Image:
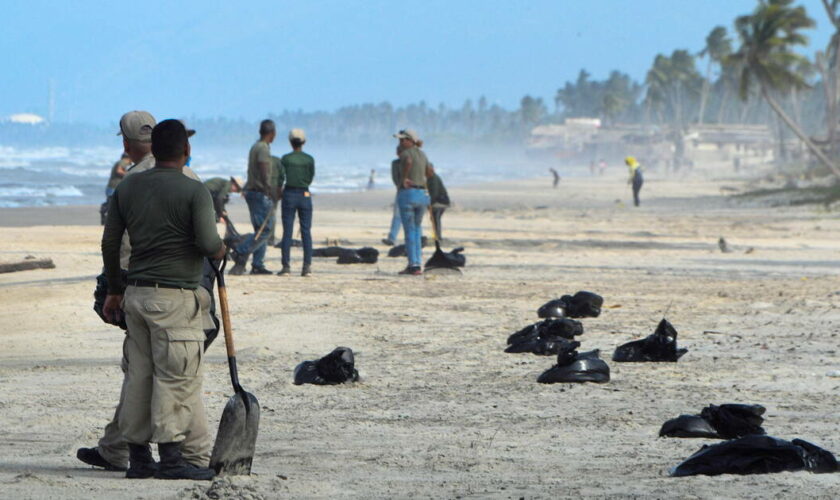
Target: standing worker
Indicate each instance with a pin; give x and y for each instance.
(169, 219)
(111, 452)
(636, 179)
(412, 198)
(220, 189)
(396, 220)
(298, 170)
(260, 198)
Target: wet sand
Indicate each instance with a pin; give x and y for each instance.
(441, 410)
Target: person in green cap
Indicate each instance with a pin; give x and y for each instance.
(220, 189)
(298, 172)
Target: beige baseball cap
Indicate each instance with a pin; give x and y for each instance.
(297, 133)
(137, 126)
(408, 134)
(238, 181)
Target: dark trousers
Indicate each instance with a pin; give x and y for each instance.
(638, 180)
(297, 201)
(437, 213)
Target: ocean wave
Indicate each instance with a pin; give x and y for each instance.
(42, 191)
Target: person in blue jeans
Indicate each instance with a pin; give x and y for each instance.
(298, 171)
(260, 196)
(412, 197)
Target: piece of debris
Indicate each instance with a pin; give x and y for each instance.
(757, 454)
(661, 345)
(29, 263)
(726, 421)
(724, 247)
(336, 367)
(364, 255)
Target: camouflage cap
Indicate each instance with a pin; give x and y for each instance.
(137, 126)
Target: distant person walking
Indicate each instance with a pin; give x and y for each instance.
(556, 176)
(396, 218)
(371, 181)
(412, 198)
(117, 174)
(220, 189)
(636, 179)
(260, 199)
(298, 170)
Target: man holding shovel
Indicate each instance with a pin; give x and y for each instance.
(260, 199)
(170, 221)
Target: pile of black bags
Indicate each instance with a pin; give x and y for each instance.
(748, 450)
(555, 335)
(337, 367)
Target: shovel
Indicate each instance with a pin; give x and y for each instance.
(438, 260)
(233, 451)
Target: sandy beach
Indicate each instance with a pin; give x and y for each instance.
(441, 411)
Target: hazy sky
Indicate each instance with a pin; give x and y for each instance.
(244, 59)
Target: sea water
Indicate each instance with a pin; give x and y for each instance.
(44, 176)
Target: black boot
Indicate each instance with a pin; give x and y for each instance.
(141, 465)
(173, 466)
(91, 456)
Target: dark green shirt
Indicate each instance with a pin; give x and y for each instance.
(396, 173)
(437, 191)
(116, 176)
(417, 174)
(260, 153)
(171, 226)
(299, 169)
(219, 187)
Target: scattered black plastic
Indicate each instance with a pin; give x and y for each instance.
(580, 305)
(573, 366)
(757, 454)
(364, 255)
(295, 243)
(727, 421)
(447, 259)
(661, 345)
(336, 367)
(546, 337)
(99, 295)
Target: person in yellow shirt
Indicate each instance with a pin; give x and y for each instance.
(636, 179)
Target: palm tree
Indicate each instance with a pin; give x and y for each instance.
(828, 63)
(718, 47)
(768, 37)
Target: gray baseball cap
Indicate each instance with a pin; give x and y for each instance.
(137, 126)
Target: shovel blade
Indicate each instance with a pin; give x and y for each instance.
(236, 440)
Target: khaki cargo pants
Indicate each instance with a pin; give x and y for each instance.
(163, 350)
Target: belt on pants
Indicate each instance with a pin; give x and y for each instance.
(152, 284)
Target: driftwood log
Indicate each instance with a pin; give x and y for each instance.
(26, 265)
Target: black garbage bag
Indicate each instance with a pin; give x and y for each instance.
(545, 337)
(727, 421)
(688, 426)
(295, 243)
(447, 259)
(577, 367)
(757, 454)
(329, 251)
(364, 255)
(336, 367)
(661, 345)
(580, 305)
(399, 250)
(99, 294)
